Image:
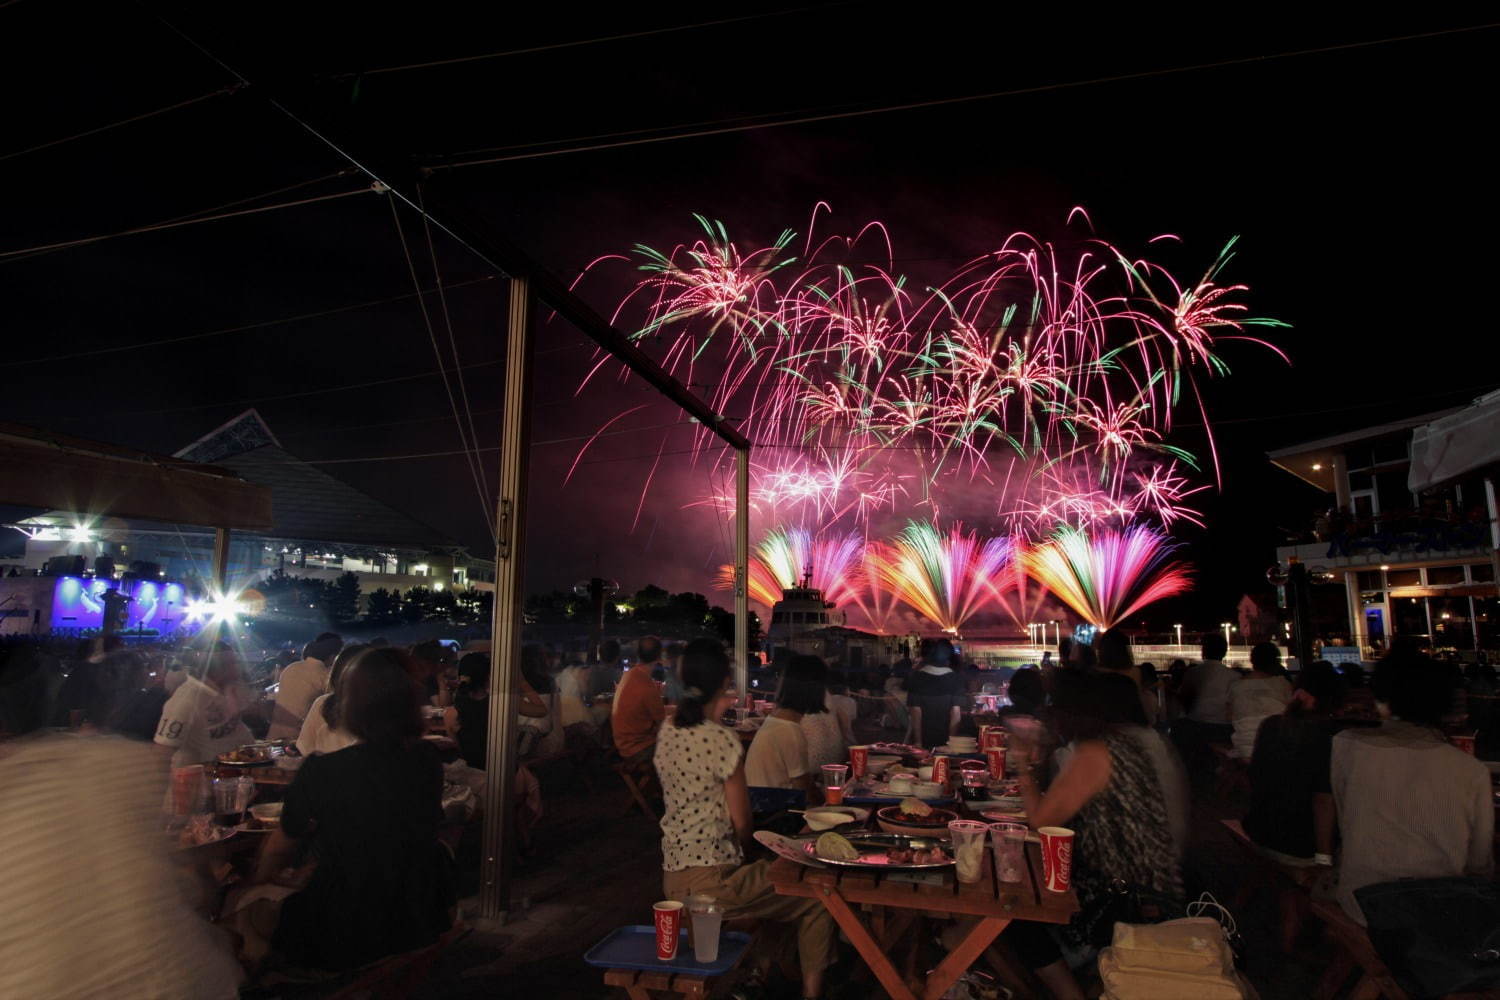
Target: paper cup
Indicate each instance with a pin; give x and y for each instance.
(991, 737)
(188, 785)
(859, 762)
(668, 914)
(995, 757)
(940, 771)
(1057, 857)
(968, 848)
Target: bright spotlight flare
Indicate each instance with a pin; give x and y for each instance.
(785, 555)
(945, 577)
(1108, 575)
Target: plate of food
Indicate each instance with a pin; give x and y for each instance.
(246, 756)
(878, 850)
(200, 831)
(915, 818)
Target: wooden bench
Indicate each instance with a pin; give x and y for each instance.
(1287, 882)
(638, 781)
(645, 985)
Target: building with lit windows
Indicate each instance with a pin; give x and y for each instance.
(323, 528)
(1410, 531)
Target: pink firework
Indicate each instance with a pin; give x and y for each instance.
(1107, 576)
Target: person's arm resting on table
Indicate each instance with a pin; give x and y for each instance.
(1085, 775)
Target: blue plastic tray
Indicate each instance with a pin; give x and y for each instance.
(634, 947)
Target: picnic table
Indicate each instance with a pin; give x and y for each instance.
(895, 903)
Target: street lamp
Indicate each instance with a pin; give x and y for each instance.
(1226, 627)
(1179, 634)
(1057, 626)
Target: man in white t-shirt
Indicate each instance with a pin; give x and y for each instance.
(202, 718)
(301, 684)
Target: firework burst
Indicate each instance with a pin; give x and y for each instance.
(1109, 575)
(946, 578)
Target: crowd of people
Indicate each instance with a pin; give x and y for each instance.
(1350, 777)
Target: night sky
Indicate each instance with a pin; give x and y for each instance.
(1360, 183)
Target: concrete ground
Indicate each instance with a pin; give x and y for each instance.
(595, 868)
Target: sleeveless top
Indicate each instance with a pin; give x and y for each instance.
(1123, 834)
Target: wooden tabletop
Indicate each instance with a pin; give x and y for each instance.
(894, 904)
(989, 897)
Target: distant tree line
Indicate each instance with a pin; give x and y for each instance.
(651, 606)
(340, 602)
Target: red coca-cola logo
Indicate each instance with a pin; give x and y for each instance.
(940, 770)
(996, 756)
(667, 932)
(1058, 852)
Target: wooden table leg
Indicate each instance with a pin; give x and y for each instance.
(866, 945)
(980, 937)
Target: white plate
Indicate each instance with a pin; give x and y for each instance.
(883, 790)
(851, 814)
(787, 847)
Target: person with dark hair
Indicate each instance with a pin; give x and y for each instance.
(638, 708)
(434, 661)
(1204, 698)
(1108, 791)
(202, 717)
(1026, 693)
(469, 716)
(1114, 656)
(935, 695)
(301, 683)
(322, 730)
(370, 814)
(1410, 805)
(844, 708)
(142, 694)
(707, 826)
(1291, 815)
(778, 756)
(537, 713)
(825, 735)
(1253, 699)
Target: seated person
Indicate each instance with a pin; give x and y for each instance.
(638, 707)
(1291, 815)
(1410, 805)
(1026, 692)
(202, 717)
(778, 756)
(935, 695)
(1257, 697)
(300, 684)
(370, 814)
(321, 730)
(707, 826)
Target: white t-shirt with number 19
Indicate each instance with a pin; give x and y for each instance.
(201, 723)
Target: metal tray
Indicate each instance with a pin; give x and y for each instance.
(872, 849)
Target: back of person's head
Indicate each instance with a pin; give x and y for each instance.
(325, 647)
(1265, 657)
(1084, 656)
(1027, 693)
(474, 669)
(1417, 688)
(1113, 648)
(937, 652)
(336, 674)
(534, 668)
(430, 651)
(1323, 684)
(1148, 675)
(380, 702)
(705, 668)
(648, 649)
(609, 651)
(804, 684)
(1086, 705)
(1064, 649)
(379, 642)
(1177, 668)
(1214, 646)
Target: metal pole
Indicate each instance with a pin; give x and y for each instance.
(741, 574)
(505, 637)
(221, 559)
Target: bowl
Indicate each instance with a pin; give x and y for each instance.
(892, 820)
(925, 773)
(928, 790)
(266, 813)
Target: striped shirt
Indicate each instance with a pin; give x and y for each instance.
(1409, 806)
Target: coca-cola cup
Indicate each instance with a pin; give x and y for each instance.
(1464, 741)
(859, 762)
(995, 756)
(940, 770)
(991, 737)
(1057, 857)
(668, 915)
(188, 784)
